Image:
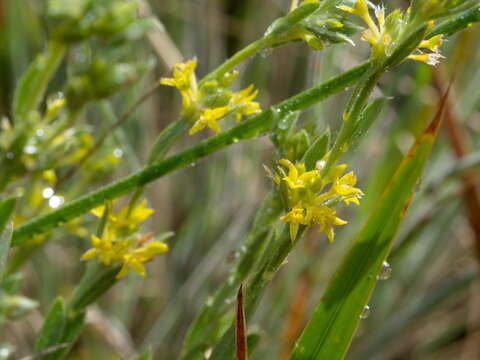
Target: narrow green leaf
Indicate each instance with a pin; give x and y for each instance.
(73, 328)
(371, 113)
(51, 331)
(34, 82)
(6, 209)
(166, 139)
(316, 151)
(332, 326)
(457, 22)
(406, 47)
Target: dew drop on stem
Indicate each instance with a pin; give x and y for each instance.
(265, 52)
(365, 312)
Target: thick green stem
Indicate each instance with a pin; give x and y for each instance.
(255, 126)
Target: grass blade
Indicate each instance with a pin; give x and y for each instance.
(6, 210)
(332, 326)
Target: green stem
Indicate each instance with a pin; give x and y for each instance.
(238, 57)
(255, 126)
(352, 114)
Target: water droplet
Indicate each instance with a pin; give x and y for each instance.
(30, 149)
(193, 164)
(283, 123)
(265, 52)
(243, 249)
(385, 271)
(365, 312)
(118, 153)
(10, 155)
(47, 193)
(209, 301)
(56, 201)
(320, 164)
(40, 132)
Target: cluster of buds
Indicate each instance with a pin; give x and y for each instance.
(310, 197)
(212, 101)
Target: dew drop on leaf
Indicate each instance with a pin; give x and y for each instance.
(385, 271)
(365, 312)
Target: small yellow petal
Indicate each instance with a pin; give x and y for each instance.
(89, 254)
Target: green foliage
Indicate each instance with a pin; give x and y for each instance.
(68, 157)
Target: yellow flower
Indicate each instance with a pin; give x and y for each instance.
(297, 216)
(297, 176)
(326, 219)
(210, 117)
(433, 57)
(134, 261)
(242, 102)
(308, 204)
(135, 216)
(345, 187)
(185, 81)
(108, 251)
(120, 244)
(126, 216)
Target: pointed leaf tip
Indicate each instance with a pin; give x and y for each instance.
(241, 327)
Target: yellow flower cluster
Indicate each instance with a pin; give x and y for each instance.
(240, 103)
(117, 245)
(308, 202)
(381, 36)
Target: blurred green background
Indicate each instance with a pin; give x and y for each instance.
(429, 308)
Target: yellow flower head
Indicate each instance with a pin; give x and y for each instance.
(309, 204)
(210, 117)
(297, 216)
(345, 187)
(297, 176)
(185, 81)
(326, 219)
(121, 244)
(108, 251)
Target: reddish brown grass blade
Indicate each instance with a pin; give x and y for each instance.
(241, 333)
